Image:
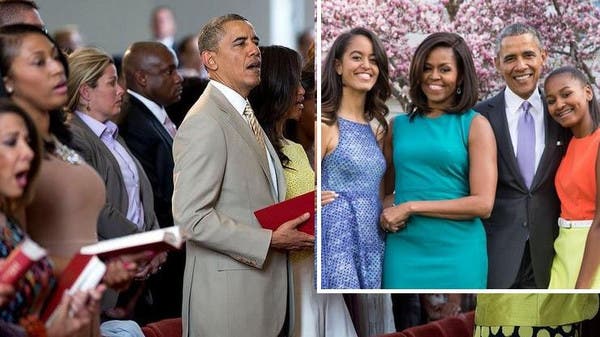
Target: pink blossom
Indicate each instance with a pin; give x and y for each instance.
(569, 30)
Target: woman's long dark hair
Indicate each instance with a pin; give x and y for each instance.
(331, 82)
(276, 93)
(293, 129)
(11, 37)
(576, 74)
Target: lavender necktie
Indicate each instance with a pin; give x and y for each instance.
(526, 144)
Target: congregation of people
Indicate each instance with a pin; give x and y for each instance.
(197, 135)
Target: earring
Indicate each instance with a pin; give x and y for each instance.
(9, 90)
(458, 91)
(87, 106)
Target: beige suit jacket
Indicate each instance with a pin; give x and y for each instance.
(234, 285)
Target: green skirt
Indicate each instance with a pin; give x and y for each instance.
(569, 247)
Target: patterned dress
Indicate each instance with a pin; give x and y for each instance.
(352, 242)
(315, 314)
(33, 288)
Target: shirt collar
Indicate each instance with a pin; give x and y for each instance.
(513, 101)
(96, 126)
(157, 110)
(106, 129)
(237, 100)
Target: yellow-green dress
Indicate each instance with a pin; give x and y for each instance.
(533, 315)
(315, 315)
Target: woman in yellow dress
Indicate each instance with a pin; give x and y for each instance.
(573, 104)
(278, 98)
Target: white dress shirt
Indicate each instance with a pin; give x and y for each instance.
(513, 112)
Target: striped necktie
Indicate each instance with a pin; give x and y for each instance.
(254, 125)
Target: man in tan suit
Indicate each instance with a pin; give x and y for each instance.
(236, 277)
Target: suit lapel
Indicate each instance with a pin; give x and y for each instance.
(242, 128)
(278, 194)
(506, 150)
(144, 189)
(551, 138)
(152, 121)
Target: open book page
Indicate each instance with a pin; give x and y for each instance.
(157, 241)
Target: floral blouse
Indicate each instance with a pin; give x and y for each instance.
(33, 288)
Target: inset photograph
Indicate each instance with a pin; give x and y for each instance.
(459, 145)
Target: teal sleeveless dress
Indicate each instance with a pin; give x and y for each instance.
(431, 162)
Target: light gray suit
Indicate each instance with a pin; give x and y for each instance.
(234, 285)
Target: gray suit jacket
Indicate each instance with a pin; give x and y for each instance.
(112, 222)
(519, 213)
(234, 285)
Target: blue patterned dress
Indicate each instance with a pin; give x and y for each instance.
(352, 243)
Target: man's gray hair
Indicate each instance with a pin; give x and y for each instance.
(517, 29)
(212, 32)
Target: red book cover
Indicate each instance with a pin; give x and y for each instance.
(84, 272)
(157, 241)
(272, 216)
(20, 260)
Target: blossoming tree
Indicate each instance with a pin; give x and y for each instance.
(569, 29)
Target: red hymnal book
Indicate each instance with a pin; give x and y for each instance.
(272, 216)
(157, 241)
(84, 272)
(20, 260)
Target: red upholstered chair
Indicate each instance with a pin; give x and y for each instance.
(426, 330)
(460, 326)
(165, 328)
(453, 327)
(469, 320)
(149, 332)
(393, 334)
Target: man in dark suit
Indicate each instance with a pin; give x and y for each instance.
(152, 83)
(193, 87)
(523, 224)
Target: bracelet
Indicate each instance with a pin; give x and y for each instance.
(33, 326)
